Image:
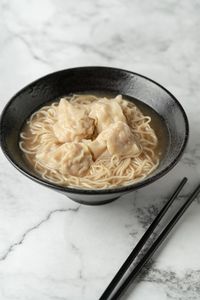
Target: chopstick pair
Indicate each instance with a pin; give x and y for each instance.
(114, 290)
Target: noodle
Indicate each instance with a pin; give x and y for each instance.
(38, 141)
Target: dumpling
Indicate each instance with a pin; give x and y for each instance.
(73, 124)
(125, 106)
(70, 158)
(106, 112)
(97, 147)
(120, 140)
(116, 139)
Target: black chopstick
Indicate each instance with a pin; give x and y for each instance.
(141, 243)
(155, 245)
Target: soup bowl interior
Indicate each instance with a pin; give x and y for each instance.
(94, 79)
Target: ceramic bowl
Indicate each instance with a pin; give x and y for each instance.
(94, 79)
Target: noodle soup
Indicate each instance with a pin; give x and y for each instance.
(93, 142)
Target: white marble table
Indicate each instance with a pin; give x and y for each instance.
(50, 247)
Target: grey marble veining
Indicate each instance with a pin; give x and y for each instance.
(50, 247)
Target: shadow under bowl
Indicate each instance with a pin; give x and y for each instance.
(94, 79)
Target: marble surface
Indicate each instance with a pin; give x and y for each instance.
(50, 247)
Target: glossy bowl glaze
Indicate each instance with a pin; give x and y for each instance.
(83, 79)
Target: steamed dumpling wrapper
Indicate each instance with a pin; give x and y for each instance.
(70, 158)
(117, 139)
(105, 112)
(73, 123)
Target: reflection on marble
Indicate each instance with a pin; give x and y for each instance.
(51, 247)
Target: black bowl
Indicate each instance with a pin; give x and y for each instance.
(109, 80)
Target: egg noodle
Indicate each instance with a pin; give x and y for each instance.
(91, 142)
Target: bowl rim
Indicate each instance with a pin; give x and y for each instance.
(114, 190)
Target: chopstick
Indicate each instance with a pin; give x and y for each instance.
(156, 244)
(141, 243)
(121, 288)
